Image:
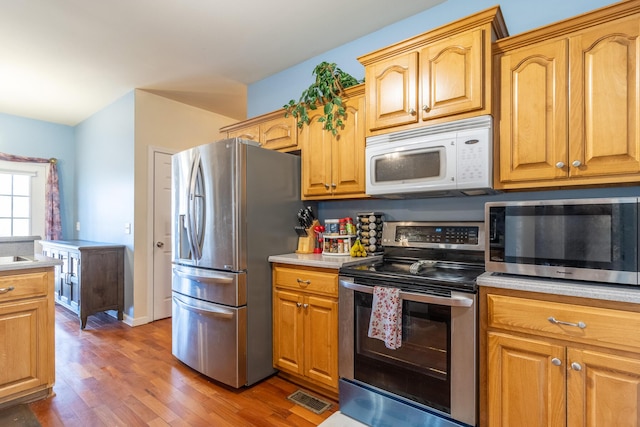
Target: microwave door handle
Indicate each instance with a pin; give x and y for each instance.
(412, 296)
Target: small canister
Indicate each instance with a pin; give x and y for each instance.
(331, 226)
(343, 226)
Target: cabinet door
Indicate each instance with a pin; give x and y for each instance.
(74, 280)
(321, 340)
(533, 110)
(251, 133)
(288, 332)
(452, 75)
(392, 88)
(605, 98)
(23, 346)
(279, 133)
(603, 389)
(316, 159)
(347, 153)
(525, 385)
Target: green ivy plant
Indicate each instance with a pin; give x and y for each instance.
(325, 93)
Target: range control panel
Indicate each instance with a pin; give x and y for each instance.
(436, 235)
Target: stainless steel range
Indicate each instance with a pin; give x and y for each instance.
(431, 379)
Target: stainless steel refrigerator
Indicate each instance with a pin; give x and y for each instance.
(234, 204)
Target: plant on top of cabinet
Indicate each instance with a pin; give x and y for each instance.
(325, 92)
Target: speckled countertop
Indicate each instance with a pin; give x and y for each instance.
(32, 261)
(320, 260)
(562, 287)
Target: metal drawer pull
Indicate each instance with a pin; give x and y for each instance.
(5, 290)
(580, 325)
(298, 304)
(304, 282)
(556, 361)
(576, 366)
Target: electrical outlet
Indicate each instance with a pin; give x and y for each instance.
(127, 228)
(77, 225)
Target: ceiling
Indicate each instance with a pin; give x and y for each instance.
(62, 61)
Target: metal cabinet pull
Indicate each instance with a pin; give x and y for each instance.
(580, 325)
(576, 366)
(576, 163)
(5, 290)
(412, 111)
(557, 362)
(298, 304)
(425, 108)
(303, 282)
(560, 165)
(305, 305)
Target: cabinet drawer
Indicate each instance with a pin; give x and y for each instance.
(19, 286)
(307, 280)
(597, 325)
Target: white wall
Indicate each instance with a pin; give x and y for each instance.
(166, 124)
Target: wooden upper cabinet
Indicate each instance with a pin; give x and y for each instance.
(434, 77)
(452, 79)
(533, 124)
(392, 89)
(569, 101)
(333, 167)
(272, 130)
(605, 92)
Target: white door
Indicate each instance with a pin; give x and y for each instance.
(161, 235)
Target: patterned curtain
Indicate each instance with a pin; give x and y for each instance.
(53, 224)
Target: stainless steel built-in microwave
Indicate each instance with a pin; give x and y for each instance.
(580, 239)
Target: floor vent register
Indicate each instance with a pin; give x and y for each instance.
(310, 402)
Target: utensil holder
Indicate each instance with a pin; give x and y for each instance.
(307, 243)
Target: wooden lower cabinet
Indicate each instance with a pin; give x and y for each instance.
(305, 326)
(538, 373)
(27, 356)
(91, 277)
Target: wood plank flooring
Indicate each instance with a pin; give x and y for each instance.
(111, 374)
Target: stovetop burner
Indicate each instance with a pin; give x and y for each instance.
(412, 262)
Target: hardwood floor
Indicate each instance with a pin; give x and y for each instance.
(113, 375)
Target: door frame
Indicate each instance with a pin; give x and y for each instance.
(151, 151)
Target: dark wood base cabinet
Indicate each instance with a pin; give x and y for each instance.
(91, 277)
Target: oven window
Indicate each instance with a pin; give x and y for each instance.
(407, 166)
(420, 369)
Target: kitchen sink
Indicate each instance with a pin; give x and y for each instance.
(12, 259)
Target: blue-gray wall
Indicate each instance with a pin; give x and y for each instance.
(519, 15)
(105, 146)
(35, 138)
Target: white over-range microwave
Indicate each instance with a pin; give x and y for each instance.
(448, 159)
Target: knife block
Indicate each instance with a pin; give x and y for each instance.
(307, 243)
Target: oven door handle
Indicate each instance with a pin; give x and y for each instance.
(454, 301)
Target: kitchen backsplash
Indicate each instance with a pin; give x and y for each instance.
(469, 208)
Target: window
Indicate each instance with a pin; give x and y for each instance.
(22, 200)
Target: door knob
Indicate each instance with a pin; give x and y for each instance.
(160, 244)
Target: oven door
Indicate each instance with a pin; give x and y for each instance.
(435, 367)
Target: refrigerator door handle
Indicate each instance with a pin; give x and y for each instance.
(191, 210)
(207, 280)
(210, 312)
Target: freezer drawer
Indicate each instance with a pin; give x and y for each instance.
(210, 285)
(210, 338)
